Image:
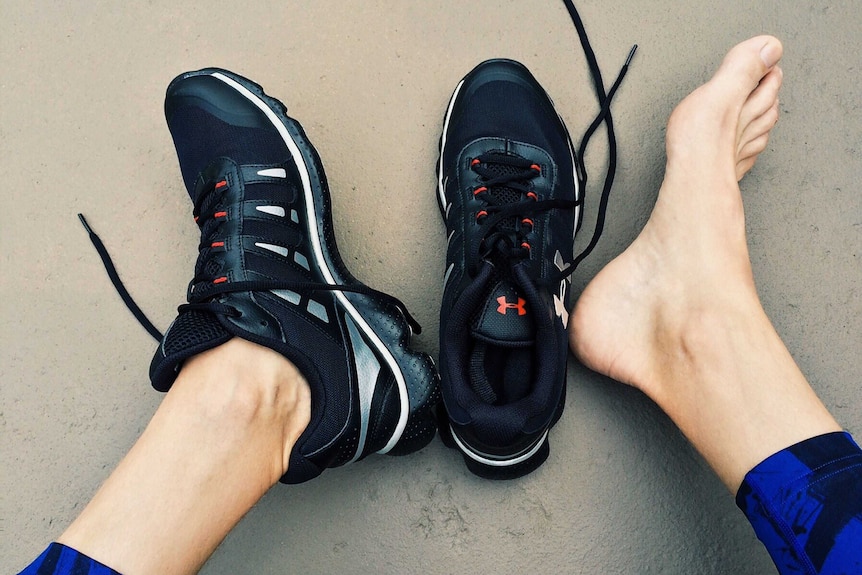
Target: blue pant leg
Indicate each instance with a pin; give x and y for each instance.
(58, 559)
(805, 504)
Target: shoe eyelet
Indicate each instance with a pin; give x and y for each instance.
(481, 215)
(533, 196)
(480, 190)
(536, 168)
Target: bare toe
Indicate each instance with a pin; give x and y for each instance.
(756, 129)
(749, 154)
(762, 98)
(754, 147)
(746, 65)
(743, 166)
(709, 124)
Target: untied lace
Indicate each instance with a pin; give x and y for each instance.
(605, 116)
(494, 216)
(497, 240)
(197, 301)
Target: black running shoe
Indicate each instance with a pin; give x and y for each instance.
(509, 195)
(269, 272)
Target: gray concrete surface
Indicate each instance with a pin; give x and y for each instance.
(82, 130)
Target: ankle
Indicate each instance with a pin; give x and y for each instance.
(246, 385)
(728, 382)
(696, 337)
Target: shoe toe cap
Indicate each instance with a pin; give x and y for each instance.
(219, 94)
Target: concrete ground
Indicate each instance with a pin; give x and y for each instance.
(82, 130)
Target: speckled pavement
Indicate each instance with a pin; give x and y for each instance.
(82, 129)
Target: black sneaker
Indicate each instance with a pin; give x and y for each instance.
(269, 272)
(509, 195)
(511, 191)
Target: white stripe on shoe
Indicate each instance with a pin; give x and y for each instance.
(319, 258)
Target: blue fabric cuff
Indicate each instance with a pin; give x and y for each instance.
(805, 505)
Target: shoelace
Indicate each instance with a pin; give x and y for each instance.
(230, 287)
(508, 202)
(502, 241)
(605, 116)
(209, 216)
(509, 241)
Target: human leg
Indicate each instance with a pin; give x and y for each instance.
(220, 439)
(677, 316)
(268, 272)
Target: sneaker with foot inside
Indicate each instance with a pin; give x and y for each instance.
(510, 198)
(269, 271)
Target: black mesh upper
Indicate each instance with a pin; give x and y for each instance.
(200, 137)
(192, 329)
(485, 111)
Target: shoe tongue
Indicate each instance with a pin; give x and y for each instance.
(504, 194)
(501, 359)
(504, 318)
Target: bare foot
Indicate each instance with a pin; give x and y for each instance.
(677, 314)
(693, 249)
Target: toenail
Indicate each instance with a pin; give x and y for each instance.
(770, 54)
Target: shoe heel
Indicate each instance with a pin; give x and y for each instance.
(510, 471)
(484, 470)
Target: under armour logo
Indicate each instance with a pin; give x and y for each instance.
(505, 306)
